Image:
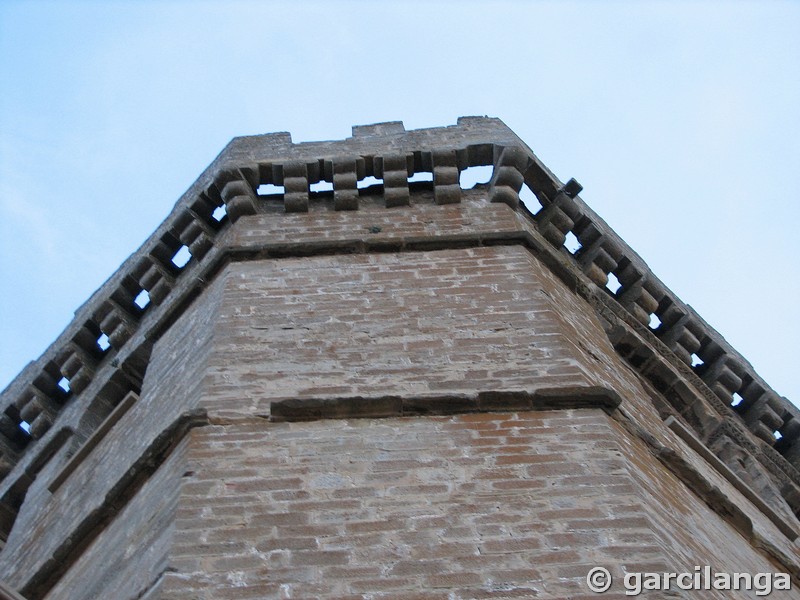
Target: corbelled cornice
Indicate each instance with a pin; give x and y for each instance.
(102, 354)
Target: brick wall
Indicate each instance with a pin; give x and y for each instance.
(509, 504)
(691, 530)
(55, 523)
(517, 448)
(129, 559)
(472, 506)
(413, 324)
(514, 505)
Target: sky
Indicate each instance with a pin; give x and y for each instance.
(680, 120)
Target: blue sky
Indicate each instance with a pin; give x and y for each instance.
(680, 119)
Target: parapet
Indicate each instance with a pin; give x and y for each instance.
(97, 364)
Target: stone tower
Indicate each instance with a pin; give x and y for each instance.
(334, 373)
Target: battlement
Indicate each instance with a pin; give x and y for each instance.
(388, 190)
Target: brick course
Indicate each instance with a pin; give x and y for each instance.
(405, 391)
(426, 507)
(371, 325)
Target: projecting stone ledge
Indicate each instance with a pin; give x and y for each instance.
(568, 397)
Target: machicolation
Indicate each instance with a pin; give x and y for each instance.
(337, 371)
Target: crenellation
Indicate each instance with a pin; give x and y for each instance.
(379, 129)
(369, 277)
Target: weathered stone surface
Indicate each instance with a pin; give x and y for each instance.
(408, 390)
